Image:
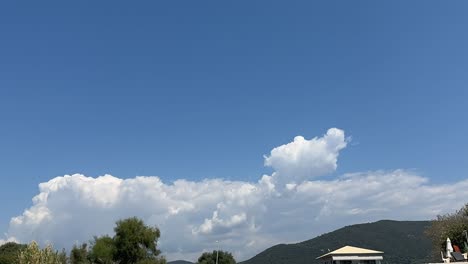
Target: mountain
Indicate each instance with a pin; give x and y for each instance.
(179, 262)
(401, 241)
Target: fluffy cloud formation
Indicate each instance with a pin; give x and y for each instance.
(303, 159)
(245, 217)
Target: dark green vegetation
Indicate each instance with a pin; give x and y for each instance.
(9, 252)
(102, 250)
(133, 243)
(79, 254)
(222, 256)
(403, 242)
(180, 262)
(453, 226)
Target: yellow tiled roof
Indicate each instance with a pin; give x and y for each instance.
(347, 250)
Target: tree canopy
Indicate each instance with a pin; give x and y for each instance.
(102, 250)
(9, 252)
(79, 255)
(210, 258)
(135, 242)
(451, 226)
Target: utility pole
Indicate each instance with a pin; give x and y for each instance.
(217, 250)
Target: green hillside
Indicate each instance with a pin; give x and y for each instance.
(179, 262)
(402, 241)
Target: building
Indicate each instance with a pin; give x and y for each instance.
(352, 255)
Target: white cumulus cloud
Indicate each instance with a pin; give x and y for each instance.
(303, 159)
(245, 217)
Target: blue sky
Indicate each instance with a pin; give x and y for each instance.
(198, 90)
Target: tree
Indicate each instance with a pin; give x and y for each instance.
(450, 226)
(33, 254)
(63, 257)
(210, 258)
(79, 255)
(135, 242)
(9, 252)
(102, 250)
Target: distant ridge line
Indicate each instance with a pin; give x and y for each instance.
(401, 242)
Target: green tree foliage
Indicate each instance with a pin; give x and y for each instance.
(79, 255)
(210, 258)
(102, 250)
(449, 226)
(9, 252)
(135, 242)
(63, 257)
(33, 254)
